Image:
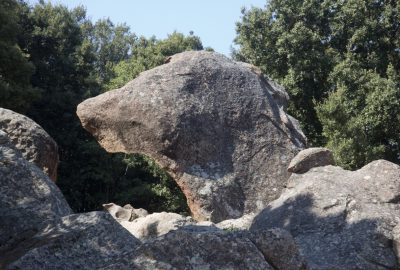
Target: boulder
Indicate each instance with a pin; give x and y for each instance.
(310, 158)
(272, 249)
(82, 241)
(219, 128)
(27, 197)
(341, 219)
(126, 213)
(242, 223)
(155, 224)
(34, 143)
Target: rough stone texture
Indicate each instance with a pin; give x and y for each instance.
(34, 143)
(82, 241)
(38, 231)
(242, 223)
(155, 224)
(274, 249)
(341, 219)
(310, 158)
(218, 128)
(27, 197)
(126, 213)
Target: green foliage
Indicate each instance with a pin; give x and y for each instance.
(16, 92)
(149, 53)
(339, 61)
(111, 45)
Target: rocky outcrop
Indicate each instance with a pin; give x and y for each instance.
(81, 241)
(310, 158)
(272, 249)
(34, 143)
(39, 231)
(341, 219)
(27, 197)
(37, 227)
(218, 127)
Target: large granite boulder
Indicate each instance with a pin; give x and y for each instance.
(27, 197)
(218, 127)
(181, 249)
(82, 241)
(341, 219)
(34, 143)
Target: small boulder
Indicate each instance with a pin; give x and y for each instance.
(127, 213)
(156, 224)
(34, 143)
(310, 158)
(242, 223)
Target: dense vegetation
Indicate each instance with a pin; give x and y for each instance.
(340, 62)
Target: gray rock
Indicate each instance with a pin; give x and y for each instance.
(341, 219)
(242, 223)
(82, 241)
(27, 197)
(310, 158)
(212, 123)
(273, 249)
(34, 143)
(136, 212)
(155, 224)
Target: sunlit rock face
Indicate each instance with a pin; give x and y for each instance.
(217, 126)
(32, 140)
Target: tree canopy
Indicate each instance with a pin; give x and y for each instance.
(339, 61)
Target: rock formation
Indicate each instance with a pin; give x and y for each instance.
(27, 197)
(38, 231)
(341, 219)
(218, 127)
(311, 158)
(269, 250)
(34, 143)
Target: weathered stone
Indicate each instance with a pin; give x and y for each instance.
(340, 219)
(27, 197)
(155, 224)
(136, 212)
(310, 158)
(215, 125)
(34, 143)
(82, 241)
(242, 223)
(181, 249)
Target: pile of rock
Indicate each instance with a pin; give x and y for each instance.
(220, 129)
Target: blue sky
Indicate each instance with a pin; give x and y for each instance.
(212, 20)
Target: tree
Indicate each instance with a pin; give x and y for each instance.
(149, 53)
(111, 45)
(16, 92)
(339, 61)
(289, 42)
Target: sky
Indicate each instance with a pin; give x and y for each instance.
(212, 20)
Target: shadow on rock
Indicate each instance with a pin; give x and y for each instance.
(332, 240)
